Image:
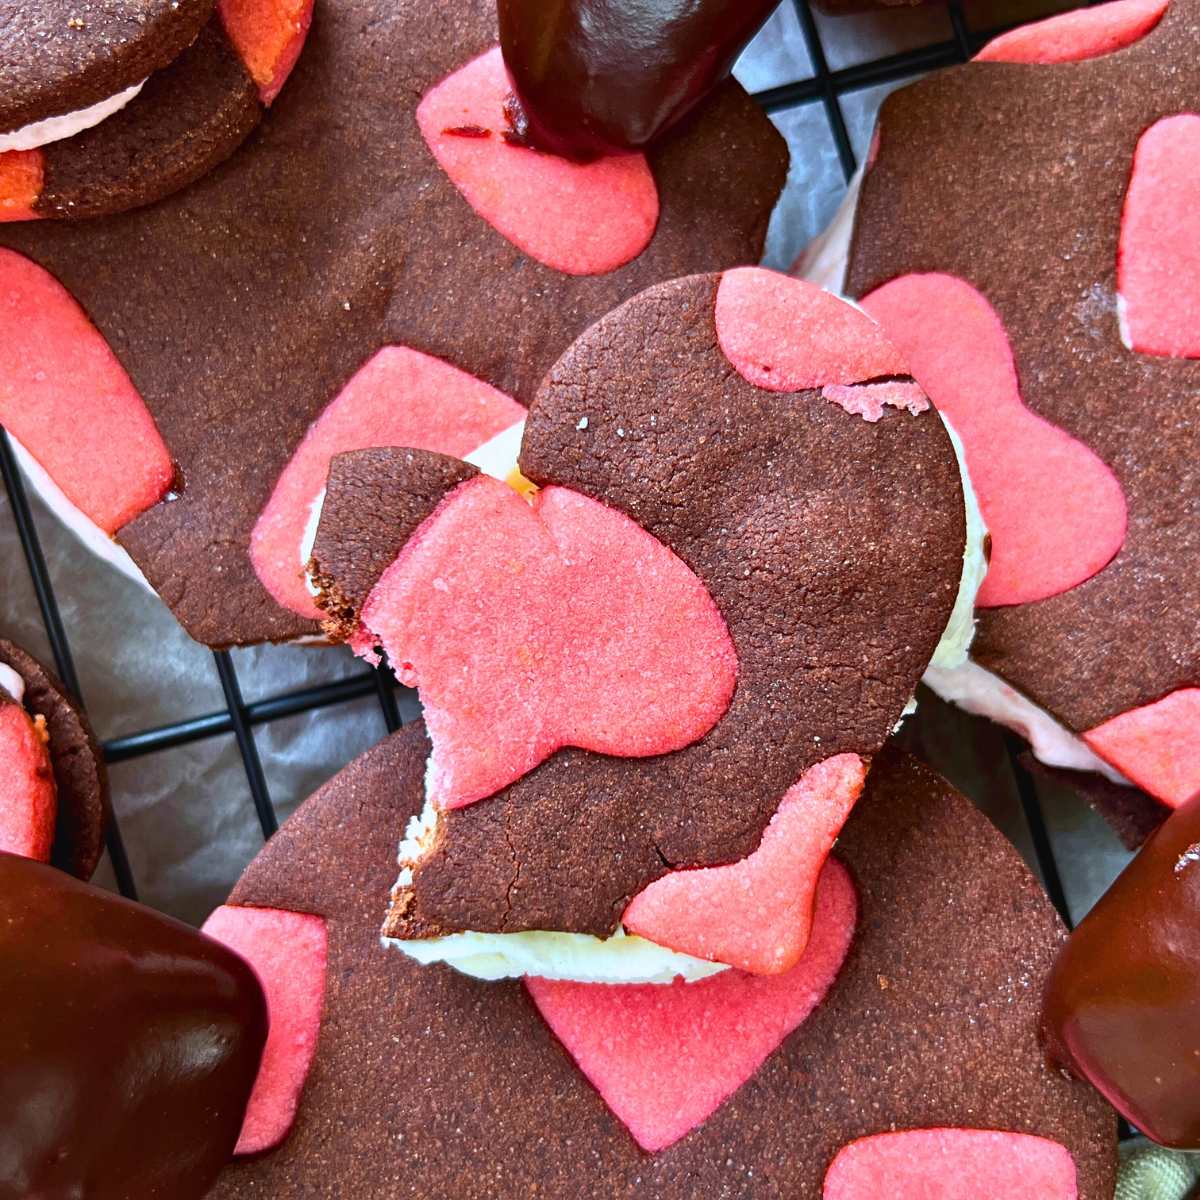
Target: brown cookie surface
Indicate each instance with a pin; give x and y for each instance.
(241, 306)
(427, 1083)
(1013, 177)
(57, 58)
(79, 774)
(833, 549)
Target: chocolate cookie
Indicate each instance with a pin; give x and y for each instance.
(113, 105)
(240, 309)
(431, 1084)
(80, 780)
(832, 545)
(1068, 364)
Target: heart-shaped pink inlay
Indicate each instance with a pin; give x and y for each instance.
(665, 1057)
(1074, 36)
(288, 952)
(756, 914)
(68, 401)
(1157, 746)
(578, 218)
(400, 397)
(28, 800)
(528, 627)
(1158, 263)
(1055, 511)
(268, 36)
(952, 1164)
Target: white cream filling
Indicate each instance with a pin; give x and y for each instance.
(11, 683)
(55, 129)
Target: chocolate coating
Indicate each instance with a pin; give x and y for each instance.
(130, 1043)
(57, 58)
(1122, 1006)
(595, 77)
(80, 778)
(432, 1085)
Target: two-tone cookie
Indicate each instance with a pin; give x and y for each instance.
(53, 786)
(111, 104)
(1026, 232)
(381, 267)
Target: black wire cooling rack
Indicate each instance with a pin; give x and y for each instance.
(825, 87)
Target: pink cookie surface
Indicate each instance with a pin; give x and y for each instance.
(1073, 36)
(532, 627)
(868, 400)
(952, 1164)
(28, 802)
(786, 334)
(400, 397)
(1158, 264)
(578, 218)
(287, 951)
(1157, 746)
(68, 401)
(664, 1058)
(21, 173)
(268, 36)
(756, 915)
(1055, 510)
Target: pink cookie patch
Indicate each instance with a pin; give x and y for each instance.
(665, 1058)
(1158, 263)
(756, 915)
(401, 397)
(288, 952)
(952, 1164)
(1073, 36)
(1157, 746)
(578, 218)
(1055, 511)
(786, 334)
(28, 801)
(68, 401)
(868, 400)
(268, 36)
(532, 627)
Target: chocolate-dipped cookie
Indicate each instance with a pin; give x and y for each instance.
(749, 542)
(427, 1083)
(112, 105)
(1068, 365)
(130, 1044)
(255, 324)
(54, 783)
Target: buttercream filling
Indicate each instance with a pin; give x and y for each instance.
(55, 129)
(11, 684)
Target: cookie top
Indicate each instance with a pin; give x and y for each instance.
(56, 59)
(1022, 154)
(832, 546)
(234, 367)
(80, 778)
(437, 1085)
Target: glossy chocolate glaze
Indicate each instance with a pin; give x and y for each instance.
(1122, 1005)
(596, 77)
(128, 1041)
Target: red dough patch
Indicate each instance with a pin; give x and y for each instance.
(1157, 746)
(1055, 511)
(786, 334)
(756, 915)
(268, 36)
(28, 802)
(287, 951)
(499, 611)
(578, 218)
(1073, 36)
(664, 1058)
(20, 184)
(401, 397)
(952, 1164)
(68, 401)
(1158, 264)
